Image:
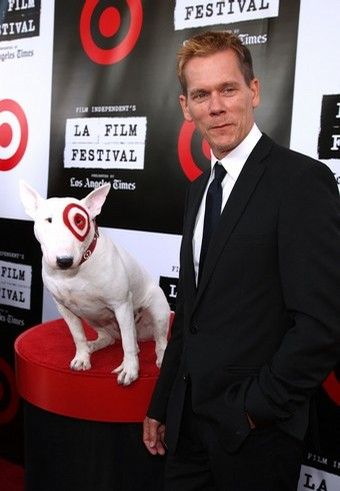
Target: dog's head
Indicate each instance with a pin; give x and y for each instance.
(64, 227)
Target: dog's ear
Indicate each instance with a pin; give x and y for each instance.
(30, 198)
(95, 200)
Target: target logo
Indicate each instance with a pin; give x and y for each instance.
(77, 220)
(186, 155)
(13, 134)
(332, 387)
(9, 398)
(109, 33)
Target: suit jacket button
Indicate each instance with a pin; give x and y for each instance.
(193, 330)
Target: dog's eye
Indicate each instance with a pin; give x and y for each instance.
(49, 220)
(79, 221)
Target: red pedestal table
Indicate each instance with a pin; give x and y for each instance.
(83, 430)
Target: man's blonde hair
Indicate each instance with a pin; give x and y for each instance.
(209, 43)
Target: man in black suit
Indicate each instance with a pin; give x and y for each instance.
(257, 324)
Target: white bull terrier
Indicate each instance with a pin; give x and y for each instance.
(93, 279)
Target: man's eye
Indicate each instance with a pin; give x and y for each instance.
(229, 90)
(199, 96)
(49, 220)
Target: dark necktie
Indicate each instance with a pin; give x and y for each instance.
(213, 204)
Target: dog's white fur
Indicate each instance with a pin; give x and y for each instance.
(109, 290)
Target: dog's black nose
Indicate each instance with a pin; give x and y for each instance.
(64, 262)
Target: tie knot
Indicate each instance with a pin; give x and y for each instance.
(220, 172)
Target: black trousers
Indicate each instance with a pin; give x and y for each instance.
(268, 460)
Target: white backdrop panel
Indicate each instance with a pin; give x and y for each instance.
(317, 74)
(27, 81)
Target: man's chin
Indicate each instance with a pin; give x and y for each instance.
(222, 149)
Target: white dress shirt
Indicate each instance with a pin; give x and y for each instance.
(233, 164)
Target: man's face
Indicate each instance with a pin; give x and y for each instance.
(219, 101)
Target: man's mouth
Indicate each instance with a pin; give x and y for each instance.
(221, 126)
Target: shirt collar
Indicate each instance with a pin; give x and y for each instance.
(235, 160)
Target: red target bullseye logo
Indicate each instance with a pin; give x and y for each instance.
(332, 387)
(13, 134)
(108, 23)
(186, 159)
(9, 397)
(77, 220)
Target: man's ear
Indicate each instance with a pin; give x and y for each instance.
(95, 200)
(183, 100)
(255, 88)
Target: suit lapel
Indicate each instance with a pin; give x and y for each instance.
(237, 201)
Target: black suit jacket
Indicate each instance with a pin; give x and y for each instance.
(262, 330)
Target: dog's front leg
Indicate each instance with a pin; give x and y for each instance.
(128, 370)
(81, 361)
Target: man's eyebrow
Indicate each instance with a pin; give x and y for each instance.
(198, 91)
(229, 83)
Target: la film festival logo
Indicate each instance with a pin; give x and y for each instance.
(190, 14)
(19, 19)
(329, 136)
(13, 134)
(187, 154)
(108, 34)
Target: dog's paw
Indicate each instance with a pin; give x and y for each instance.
(80, 363)
(127, 372)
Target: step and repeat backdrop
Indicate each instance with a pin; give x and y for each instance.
(89, 95)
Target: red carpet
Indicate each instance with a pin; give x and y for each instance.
(11, 476)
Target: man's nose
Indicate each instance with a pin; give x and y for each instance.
(216, 105)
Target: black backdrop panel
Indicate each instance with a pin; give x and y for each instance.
(20, 277)
(126, 69)
(20, 308)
